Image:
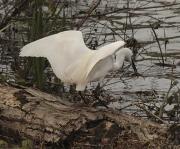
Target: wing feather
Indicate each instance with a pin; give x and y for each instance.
(61, 49)
(103, 53)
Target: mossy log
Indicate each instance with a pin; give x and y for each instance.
(30, 113)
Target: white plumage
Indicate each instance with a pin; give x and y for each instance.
(73, 62)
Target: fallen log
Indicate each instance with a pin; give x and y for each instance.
(41, 117)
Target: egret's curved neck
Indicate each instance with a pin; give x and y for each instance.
(120, 57)
(118, 62)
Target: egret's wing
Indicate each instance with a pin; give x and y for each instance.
(60, 49)
(100, 69)
(76, 72)
(103, 53)
(71, 41)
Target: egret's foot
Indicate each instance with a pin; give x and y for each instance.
(97, 94)
(100, 102)
(137, 74)
(83, 97)
(97, 91)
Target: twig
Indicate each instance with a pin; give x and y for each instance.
(92, 8)
(161, 110)
(150, 113)
(158, 44)
(16, 11)
(4, 28)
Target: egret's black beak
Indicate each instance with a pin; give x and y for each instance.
(133, 66)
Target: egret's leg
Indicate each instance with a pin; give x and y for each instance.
(97, 93)
(72, 88)
(98, 87)
(82, 97)
(100, 101)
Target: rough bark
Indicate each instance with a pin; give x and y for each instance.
(30, 113)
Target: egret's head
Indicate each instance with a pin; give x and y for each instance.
(127, 54)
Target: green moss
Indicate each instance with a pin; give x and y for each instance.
(3, 78)
(3, 144)
(26, 144)
(21, 82)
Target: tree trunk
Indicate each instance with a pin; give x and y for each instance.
(30, 113)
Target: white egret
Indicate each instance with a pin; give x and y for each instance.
(73, 62)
